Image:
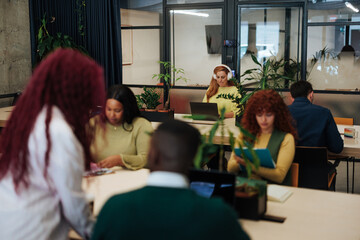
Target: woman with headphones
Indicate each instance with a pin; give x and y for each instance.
(221, 84)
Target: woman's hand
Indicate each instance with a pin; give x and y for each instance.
(240, 160)
(229, 115)
(111, 161)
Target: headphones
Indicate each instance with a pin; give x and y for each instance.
(229, 75)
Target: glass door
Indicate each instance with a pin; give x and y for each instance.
(269, 32)
(196, 43)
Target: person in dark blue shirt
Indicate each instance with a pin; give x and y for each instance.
(315, 124)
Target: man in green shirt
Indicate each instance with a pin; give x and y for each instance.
(166, 208)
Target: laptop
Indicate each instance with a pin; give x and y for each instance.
(209, 110)
(213, 184)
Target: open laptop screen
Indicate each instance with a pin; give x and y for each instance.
(213, 184)
(208, 109)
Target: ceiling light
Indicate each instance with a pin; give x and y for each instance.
(191, 13)
(349, 5)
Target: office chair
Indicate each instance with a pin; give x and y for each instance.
(294, 174)
(314, 170)
(344, 121)
(15, 97)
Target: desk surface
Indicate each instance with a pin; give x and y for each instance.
(351, 145)
(5, 113)
(310, 214)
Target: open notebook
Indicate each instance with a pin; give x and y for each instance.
(277, 193)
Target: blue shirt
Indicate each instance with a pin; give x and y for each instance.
(316, 126)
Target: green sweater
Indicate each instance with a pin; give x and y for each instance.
(132, 145)
(166, 213)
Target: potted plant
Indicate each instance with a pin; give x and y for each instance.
(269, 75)
(150, 98)
(47, 42)
(170, 72)
(250, 194)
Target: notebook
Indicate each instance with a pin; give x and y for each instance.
(262, 153)
(277, 193)
(208, 110)
(213, 184)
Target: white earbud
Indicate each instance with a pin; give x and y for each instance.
(229, 75)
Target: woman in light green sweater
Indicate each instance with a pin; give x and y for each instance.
(221, 84)
(125, 139)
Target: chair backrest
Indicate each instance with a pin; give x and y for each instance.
(15, 97)
(344, 121)
(294, 174)
(313, 167)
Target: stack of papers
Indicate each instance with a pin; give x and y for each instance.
(277, 193)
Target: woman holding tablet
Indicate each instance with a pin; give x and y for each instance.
(267, 117)
(126, 138)
(220, 84)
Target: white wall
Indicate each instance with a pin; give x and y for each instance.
(145, 47)
(191, 49)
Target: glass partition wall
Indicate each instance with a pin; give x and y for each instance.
(269, 33)
(198, 39)
(334, 46)
(310, 35)
(196, 43)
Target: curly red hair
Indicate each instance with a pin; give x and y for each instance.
(66, 79)
(268, 101)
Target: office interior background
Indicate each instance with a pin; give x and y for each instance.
(191, 34)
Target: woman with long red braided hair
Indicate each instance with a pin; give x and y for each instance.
(45, 147)
(267, 117)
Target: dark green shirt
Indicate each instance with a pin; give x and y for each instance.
(166, 213)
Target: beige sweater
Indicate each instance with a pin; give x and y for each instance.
(132, 145)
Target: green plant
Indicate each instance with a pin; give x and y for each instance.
(150, 98)
(321, 55)
(170, 72)
(208, 147)
(269, 75)
(47, 42)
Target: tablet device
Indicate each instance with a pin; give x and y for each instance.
(262, 153)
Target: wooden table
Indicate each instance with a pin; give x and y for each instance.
(310, 214)
(101, 188)
(5, 113)
(351, 145)
(229, 124)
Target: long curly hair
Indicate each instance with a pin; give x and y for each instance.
(214, 86)
(268, 101)
(66, 79)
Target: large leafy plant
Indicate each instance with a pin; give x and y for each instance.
(47, 42)
(150, 98)
(170, 72)
(269, 75)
